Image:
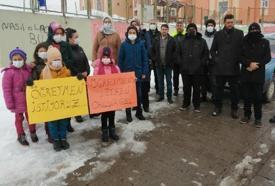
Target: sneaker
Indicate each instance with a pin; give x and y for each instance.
(57, 145)
(22, 140)
(245, 120)
(216, 112)
(170, 101)
(64, 144)
(113, 135)
(34, 137)
(79, 119)
(184, 107)
(176, 93)
(272, 120)
(197, 110)
(258, 123)
(234, 114)
(146, 109)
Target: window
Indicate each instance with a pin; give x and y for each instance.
(264, 3)
(223, 7)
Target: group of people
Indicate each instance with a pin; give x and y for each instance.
(204, 61)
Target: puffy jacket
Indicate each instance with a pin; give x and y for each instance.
(133, 58)
(14, 87)
(194, 55)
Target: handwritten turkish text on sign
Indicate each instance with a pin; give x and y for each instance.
(112, 92)
(55, 99)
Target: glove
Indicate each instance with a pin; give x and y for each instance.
(29, 82)
(79, 76)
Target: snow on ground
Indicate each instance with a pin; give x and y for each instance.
(39, 164)
(273, 134)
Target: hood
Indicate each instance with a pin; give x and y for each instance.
(25, 67)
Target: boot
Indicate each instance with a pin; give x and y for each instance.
(112, 134)
(234, 114)
(245, 120)
(105, 135)
(64, 144)
(34, 137)
(217, 111)
(258, 123)
(139, 115)
(129, 115)
(22, 140)
(70, 128)
(57, 145)
(78, 119)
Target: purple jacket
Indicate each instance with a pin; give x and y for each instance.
(14, 88)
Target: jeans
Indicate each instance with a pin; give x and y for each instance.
(167, 72)
(58, 129)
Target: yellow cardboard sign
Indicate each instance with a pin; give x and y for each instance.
(54, 99)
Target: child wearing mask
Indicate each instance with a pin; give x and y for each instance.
(14, 89)
(133, 57)
(106, 65)
(54, 69)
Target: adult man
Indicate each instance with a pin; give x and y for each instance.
(164, 55)
(226, 54)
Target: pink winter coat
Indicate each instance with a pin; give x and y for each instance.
(14, 87)
(107, 68)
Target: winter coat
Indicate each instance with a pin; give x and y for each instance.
(62, 73)
(80, 59)
(257, 51)
(65, 50)
(226, 52)
(133, 58)
(171, 52)
(102, 40)
(107, 68)
(36, 71)
(194, 55)
(14, 87)
(179, 37)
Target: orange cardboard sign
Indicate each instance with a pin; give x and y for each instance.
(112, 92)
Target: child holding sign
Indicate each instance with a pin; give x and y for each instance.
(55, 69)
(106, 65)
(14, 89)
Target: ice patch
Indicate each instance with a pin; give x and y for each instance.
(197, 183)
(184, 160)
(272, 164)
(162, 184)
(241, 172)
(193, 164)
(273, 134)
(212, 173)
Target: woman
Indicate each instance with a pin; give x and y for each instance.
(106, 37)
(79, 57)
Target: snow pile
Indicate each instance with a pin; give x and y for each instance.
(272, 164)
(273, 134)
(263, 150)
(241, 172)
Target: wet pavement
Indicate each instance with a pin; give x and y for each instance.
(190, 148)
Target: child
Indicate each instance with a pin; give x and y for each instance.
(55, 69)
(106, 65)
(14, 89)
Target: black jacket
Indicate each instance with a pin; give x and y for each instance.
(39, 66)
(179, 37)
(65, 50)
(226, 52)
(194, 55)
(170, 56)
(256, 51)
(80, 59)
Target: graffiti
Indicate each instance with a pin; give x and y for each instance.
(35, 33)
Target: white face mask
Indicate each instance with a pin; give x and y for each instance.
(57, 64)
(42, 55)
(18, 64)
(58, 38)
(153, 27)
(210, 29)
(107, 26)
(76, 41)
(106, 61)
(132, 37)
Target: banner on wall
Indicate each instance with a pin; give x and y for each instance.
(54, 99)
(111, 92)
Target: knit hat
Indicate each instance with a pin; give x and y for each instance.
(55, 25)
(106, 52)
(53, 54)
(192, 25)
(254, 26)
(18, 51)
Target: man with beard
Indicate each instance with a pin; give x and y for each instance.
(255, 55)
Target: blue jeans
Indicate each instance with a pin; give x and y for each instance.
(167, 72)
(58, 129)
